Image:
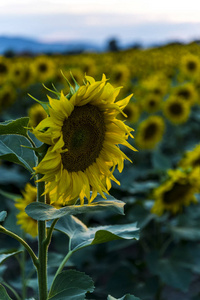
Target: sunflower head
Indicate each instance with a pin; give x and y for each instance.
(84, 134)
(36, 114)
(150, 132)
(191, 158)
(176, 110)
(176, 192)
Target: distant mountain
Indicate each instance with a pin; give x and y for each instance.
(20, 45)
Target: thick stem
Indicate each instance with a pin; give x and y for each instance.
(42, 247)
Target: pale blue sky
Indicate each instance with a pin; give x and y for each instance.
(142, 21)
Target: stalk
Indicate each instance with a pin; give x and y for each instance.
(42, 245)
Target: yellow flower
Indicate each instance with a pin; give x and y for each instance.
(4, 69)
(190, 65)
(191, 159)
(178, 191)
(150, 132)
(186, 92)
(176, 110)
(43, 68)
(7, 95)
(151, 103)
(36, 114)
(132, 112)
(28, 224)
(83, 133)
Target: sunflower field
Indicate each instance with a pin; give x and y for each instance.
(122, 130)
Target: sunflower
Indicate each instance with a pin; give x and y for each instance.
(191, 158)
(132, 112)
(176, 110)
(4, 69)
(36, 114)
(186, 92)
(152, 103)
(7, 96)
(176, 192)
(190, 66)
(150, 132)
(28, 224)
(83, 133)
(43, 68)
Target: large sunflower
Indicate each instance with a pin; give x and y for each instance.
(83, 133)
(177, 191)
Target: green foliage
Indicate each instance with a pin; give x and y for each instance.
(4, 256)
(71, 285)
(43, 212)
(126, 297)
(3, 215)
(3, 293)
(82, 236)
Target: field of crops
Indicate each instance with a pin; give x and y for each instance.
(160, 186)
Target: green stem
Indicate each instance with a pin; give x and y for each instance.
(61, 267)
(42, 246)
(49, 235)
(20, 240)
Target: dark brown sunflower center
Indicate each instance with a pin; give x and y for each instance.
(83, 135)
(152, 103)
(184, 94)
(176, 109)
(177, 193)
(191, 65)
(150, 131)
(42, 67)
(3, 68)
(196, 162)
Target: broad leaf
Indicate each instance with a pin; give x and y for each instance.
(70, 285)
(3, 215)
(4, 256)
(18, 127)
(126, 297)
(11, 149)
(3, 293)
(81, 236)
(41, 212)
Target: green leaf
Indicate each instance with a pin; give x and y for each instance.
(18, 127)
(10, 196)
(3, 293)
(3, 215)
(186, 233)
(44, 104)
(4, 256)
(11, 149)
(41, 212)
(81, 236)
(126, 297)
(70, 285)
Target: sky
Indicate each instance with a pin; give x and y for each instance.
(129, 21)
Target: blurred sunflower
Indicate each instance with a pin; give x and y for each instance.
(176, 110)
(186, 92)
(7, 95)
(191, 158)
(190, 66)
(83, 133)
(28, 224)
(43, 68)
(132, 112)
(151, 103)
(150, 132)
(36, 114)
(120, 73)
(176, 192)
(4, 69)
